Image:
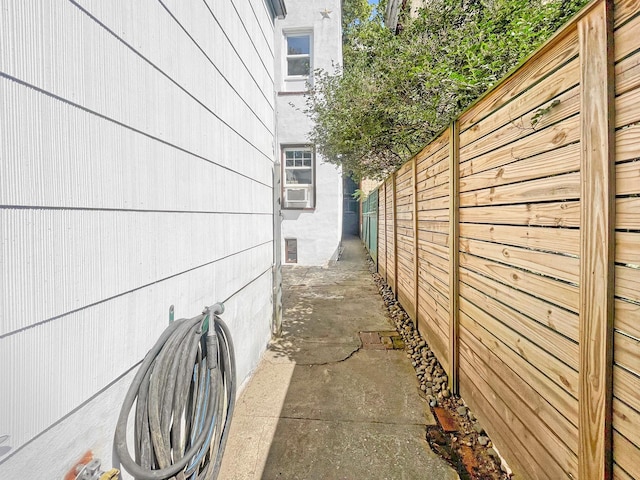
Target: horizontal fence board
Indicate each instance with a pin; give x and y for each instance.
(626, 386)
(624, 10)
(541, 441)
(558, 293)
(485, 344)
(626, 352)
(549, 264)
(626, 421)
(435, 337)
(562, 160)
(627, 108)
(552, 214)
(628, 213)
(552, 55)
(435, 288)
(627, 317)
(425, 238)
(626, 455)
(552, 418)
(436, 264)
(516, 125)
(440, 249)
(626, 283)
(626, 38)
(628, 178)
(560, 347)
(563, 376)
(558, 240)
(507, 431)
(628, 143)
(440, 203)
(555, 318)
(628, 74)
(438, 191)
(433, 176)
(560, 187)
(425, 156)
(435, 226)
(547, 139)
(619, 474)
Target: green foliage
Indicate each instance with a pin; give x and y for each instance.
(396, 92)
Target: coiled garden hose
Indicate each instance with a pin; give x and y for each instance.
(184, 393)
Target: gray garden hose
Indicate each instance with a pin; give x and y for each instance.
(184, 393)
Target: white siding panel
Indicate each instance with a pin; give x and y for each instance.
(83, 63)
(136, 157)
(91, 162)
(65, 362)
(57, 261)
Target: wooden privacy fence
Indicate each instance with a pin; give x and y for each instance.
(513, 242)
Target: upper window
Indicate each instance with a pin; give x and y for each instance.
(298, 55)
(298, 178)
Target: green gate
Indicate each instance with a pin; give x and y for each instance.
(370, 224)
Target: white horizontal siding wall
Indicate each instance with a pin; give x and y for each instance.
(136, 157)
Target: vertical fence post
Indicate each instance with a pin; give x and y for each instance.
(415, 240)
(454, 260)
(386, 245)
(597, 241)
(394, 201)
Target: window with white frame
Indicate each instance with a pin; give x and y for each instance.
(298, 172)
(298, 55)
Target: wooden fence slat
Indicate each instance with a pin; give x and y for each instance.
(555, 162)
(627, 316)
(551, 138)
(626, 38)
(555, 318)
(552, 214)
(628, 143)
(484, 343)
(556, 266)
(560, 187)
(626, 386)
(514, 125)
(626, 454)
(558, 293)
(557, 240)
(628, 74)
(595, 32)
(541, 441)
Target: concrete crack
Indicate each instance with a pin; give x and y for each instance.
(332, 362)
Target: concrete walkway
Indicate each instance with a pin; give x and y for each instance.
(323, 406)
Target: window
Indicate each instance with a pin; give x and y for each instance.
(291, 250)
(298, 55)
(298, 177)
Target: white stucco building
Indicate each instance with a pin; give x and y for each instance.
(136, 172)
(311, 192)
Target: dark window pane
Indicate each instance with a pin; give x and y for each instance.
(298, 45)
(297, 66)
(299, 176)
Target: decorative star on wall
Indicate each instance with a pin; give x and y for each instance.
(325, 13)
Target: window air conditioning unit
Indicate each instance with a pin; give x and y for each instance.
(296, 197)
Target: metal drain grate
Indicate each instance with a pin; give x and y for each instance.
(385, 340)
